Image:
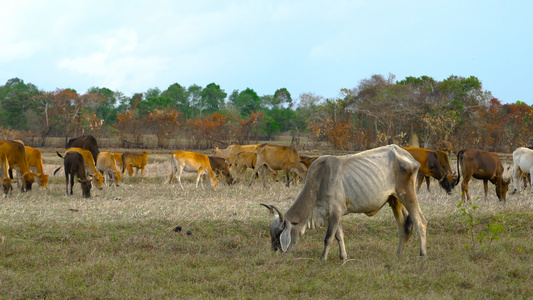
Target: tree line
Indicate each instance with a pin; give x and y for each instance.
(379, 110)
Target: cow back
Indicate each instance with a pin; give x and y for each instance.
(87, 142)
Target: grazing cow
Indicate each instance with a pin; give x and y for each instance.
(87, 142)
(247, 160)
(278, 157)
(431, 166)
(107, 165)
(75, 166)
(356, 183)
(307, 161)
(118, 159)
(90, 166)
(16, 156)
(522, 165)
(135, 160)
(230, 153)
(445, 146)
(221, 168)
(192, 162)
(5, 181)
(482, 165)
(35, 162)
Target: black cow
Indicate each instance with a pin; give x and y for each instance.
(75, 166)
(87, 142)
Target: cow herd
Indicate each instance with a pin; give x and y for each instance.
(334, 185)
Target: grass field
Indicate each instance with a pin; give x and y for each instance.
(121, 244)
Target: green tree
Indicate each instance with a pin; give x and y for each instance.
(246, 101)
(179, 98)
(16, 101)
(213, 97)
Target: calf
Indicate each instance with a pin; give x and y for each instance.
(90, 166)
(278, 157)
(106, 165)
(247, 160)
(135, 160)
(75, 166)
(221, 168)
(357, 183)
(35, 162)
(192, 162)
(482, 165)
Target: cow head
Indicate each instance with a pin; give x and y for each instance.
(454, 179)
(86, 188)
(446, 183)
(502, 187)
(6, 186)
(283, 234)
(42, 180)
(27, 181)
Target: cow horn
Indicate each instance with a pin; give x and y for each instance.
(272, 208)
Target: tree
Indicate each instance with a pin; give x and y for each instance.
(247, 101)
(16, 100)
(213, 97)
(179, 99)
(163, 125)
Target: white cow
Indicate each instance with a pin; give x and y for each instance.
(522, 165)
(357, 183)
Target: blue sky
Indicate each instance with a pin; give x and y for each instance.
(307, 46)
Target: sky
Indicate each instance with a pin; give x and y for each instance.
(317, 47)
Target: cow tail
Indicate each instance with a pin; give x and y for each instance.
(459, 160)
(123, 162)
(57, 170)
(60, 155)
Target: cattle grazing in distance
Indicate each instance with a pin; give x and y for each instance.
(106, 165)
(134, 160)
(482, 165)
(221, 168)
(430, 165)
(16, 157)
(5, 181)
(445, 146)
(278, 157)
(231, 152)
(307, 160)
(35, 162)
(184, 161)
(522, 166)
(247, 160)
(87, 142)
(74, 165)
(356, 183)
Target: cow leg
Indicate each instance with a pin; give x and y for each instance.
(264, 168)
(464, 187)
(254, 173)
(419, 180)
(66, 181)
(340, 239)
(288, 177)
(333, 226)
(400, 214)
(416, 217)
(142, 171)
(178, 175)
(198, 175)
(71, 183)
(486, 187)
(517, 174)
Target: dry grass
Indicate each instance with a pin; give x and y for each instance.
(120, 244)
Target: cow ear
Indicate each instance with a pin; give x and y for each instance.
(285, 238)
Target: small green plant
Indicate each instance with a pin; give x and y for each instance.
(480, 238)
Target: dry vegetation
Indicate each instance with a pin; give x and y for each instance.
(121, 244)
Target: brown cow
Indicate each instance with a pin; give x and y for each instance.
(231, 152)
(87, 142)
(307, 161)
(106, 165)
(90, 166)
(482, 165)
(192, 162)
(5, 181)
(278, 157)
(247, 160)
(445, 164)
(75, 166)
(135, 160)
(16, 156)
(220, 167)
(430, 166)
(35, 162)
